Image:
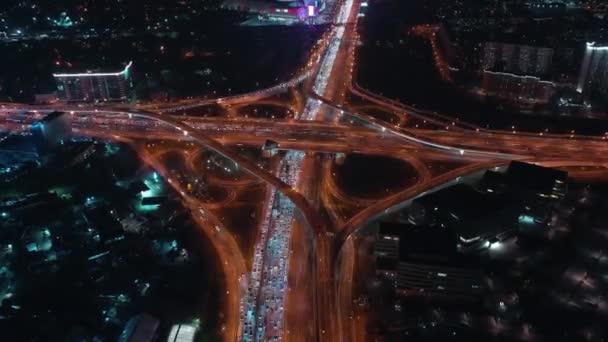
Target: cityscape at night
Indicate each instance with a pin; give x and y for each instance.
(304, 170)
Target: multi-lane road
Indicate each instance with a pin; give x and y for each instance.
(301, 186)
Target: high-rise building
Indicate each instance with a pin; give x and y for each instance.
(521, 89)
(517, 59)
(593, 74)
(94, 86)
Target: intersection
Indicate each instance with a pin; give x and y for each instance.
(298, 188)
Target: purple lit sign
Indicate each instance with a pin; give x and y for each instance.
(311, 10)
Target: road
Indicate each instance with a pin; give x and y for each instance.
(323, 137)
(231, 261)
(293, 237)
(336, 137)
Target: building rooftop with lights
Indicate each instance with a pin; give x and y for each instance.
(295, 10)
(91, 86)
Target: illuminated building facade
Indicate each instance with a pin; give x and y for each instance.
(94, 87)
(517, 59)
(593, 74)
(288, 10)
(520, 89)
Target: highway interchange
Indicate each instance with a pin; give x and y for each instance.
(306, 220)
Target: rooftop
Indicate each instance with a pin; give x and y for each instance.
(125, 71)
(462, 202)
(52, 116)
(426, 279)
(417, 242)
(533, 176)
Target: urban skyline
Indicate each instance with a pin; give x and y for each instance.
(347, 200)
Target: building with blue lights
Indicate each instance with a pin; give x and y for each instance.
(51, 131)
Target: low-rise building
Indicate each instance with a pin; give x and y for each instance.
(51, 130)
(182, 333)
(475, 217)
(402, 240)
(496, 208)
(141, 328)
(419, 263)
(439, 282)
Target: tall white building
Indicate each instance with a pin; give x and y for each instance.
(94, 86)
(593, 75)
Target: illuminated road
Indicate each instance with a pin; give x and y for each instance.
(289, 199)
(328, 137)
(231, 260)
(343, 138)
(265, 304)
(250, 97)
